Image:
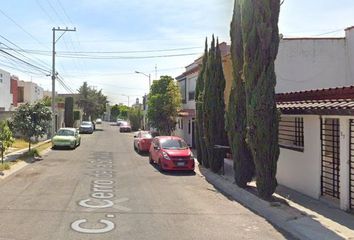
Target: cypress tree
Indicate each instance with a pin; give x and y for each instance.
(69, 112)
(199, 93)
(214, 107)
(236, 123)
(260, 43)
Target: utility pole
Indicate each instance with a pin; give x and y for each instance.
(54, 74)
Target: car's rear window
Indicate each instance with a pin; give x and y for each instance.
(173, 144)
(86, 123)
(65, 132)
(124, 124)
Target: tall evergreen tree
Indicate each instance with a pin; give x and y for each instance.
(260, 43)
(236, 122)
(199, 93)
(214, 107)
(69, 112)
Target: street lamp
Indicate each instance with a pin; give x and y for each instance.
(149, 76)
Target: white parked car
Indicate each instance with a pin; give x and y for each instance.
(98, 121)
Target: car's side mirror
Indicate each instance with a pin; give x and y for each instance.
(135, 136)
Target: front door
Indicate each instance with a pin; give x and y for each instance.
(330, 159)
(351, 164)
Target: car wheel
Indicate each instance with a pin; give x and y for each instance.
(53, 147)
(160, 166)
(79, 143)
(73, 146)
(138, 149)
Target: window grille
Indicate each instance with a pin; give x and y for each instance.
(291, 133)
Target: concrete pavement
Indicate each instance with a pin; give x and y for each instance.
(105, 190)
(301, 216)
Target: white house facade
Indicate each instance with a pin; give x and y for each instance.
(5, 91)
(29, 92)
(315, 94)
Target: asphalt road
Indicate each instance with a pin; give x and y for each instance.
(105, 190)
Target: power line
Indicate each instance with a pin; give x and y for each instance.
(111, 52)
(19, 26)
(20, 50)
(125, 57)
(45, 71)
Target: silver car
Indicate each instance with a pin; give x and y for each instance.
(86, 127)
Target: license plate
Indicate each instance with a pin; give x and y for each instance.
(180, 163)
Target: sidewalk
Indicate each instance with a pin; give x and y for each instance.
(300, 216)
(14, 155)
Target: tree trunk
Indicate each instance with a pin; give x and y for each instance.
(260, 43)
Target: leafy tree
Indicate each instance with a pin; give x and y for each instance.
(47, 101)
(32, 121)
(214, 107)
(164, 101)
(92, 102)
(69, 112)
(6, 138)
(114, 112)
(123, 111)
(200, 114)
(260, 43)
(236, 122)
(135, 117)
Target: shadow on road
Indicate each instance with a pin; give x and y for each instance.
(180, 173)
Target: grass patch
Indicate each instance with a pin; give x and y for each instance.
(7, 165)
(32, 153)
(20, 143)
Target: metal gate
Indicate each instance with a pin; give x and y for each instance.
(351, 164)
(330, 160)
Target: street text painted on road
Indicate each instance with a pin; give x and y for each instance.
(101, 196)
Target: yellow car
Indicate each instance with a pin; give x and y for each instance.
(66, 137)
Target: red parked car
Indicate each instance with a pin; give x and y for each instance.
(142, 141)
(125, 127)
(171, 153)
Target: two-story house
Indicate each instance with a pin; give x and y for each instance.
(187, 83)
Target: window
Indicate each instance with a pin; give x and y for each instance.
(291, 133)
(189, 126)
(1, 78)
(20, 96)
(191, 96)
(182, 85)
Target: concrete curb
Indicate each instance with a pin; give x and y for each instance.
(20, 165)
(288, 219)
(25, 149)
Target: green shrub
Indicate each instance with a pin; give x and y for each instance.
(32, 153)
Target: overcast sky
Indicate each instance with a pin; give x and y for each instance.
(144, 35)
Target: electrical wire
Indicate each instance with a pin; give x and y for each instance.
(45, 71)
(19, 26)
